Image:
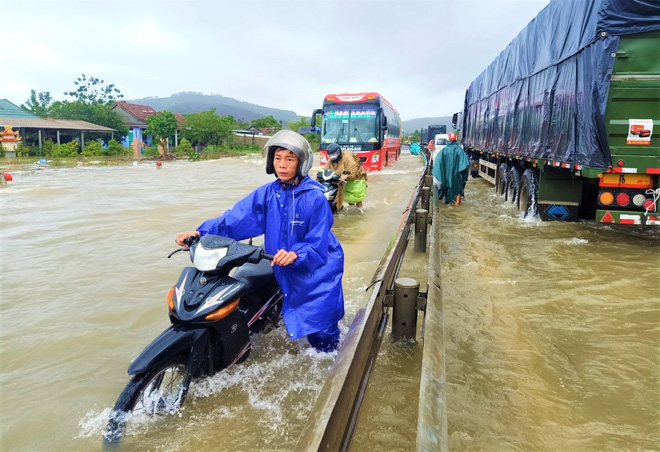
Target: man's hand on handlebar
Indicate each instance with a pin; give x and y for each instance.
(284, 258)
(182, 236)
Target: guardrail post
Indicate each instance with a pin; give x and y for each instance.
(421, 227)
(404, 311)
(426, 197)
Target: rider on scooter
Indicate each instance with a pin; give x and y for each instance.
(349, 166)
(294, 216)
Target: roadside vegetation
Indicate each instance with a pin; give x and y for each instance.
(202, 136)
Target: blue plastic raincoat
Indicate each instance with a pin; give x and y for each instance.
(450, 168)
(293, 218)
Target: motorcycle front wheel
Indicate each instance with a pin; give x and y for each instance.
(161, 390)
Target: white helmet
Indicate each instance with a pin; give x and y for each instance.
(294, 142)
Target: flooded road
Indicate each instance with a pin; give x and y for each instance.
(84, 279)
(551, 329)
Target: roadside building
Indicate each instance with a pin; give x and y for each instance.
(135, 117)
(35, 130)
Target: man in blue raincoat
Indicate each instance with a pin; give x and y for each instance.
(450, 170)
(295, 218)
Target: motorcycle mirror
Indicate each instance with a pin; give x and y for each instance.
(176, 251)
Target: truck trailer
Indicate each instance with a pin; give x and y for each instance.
(564, 122)
(428, 133)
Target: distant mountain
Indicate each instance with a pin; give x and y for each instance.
(190, 102)
(411, 125)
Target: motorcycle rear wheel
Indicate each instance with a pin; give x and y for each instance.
(161, 390)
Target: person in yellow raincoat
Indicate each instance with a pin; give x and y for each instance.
(349, 166)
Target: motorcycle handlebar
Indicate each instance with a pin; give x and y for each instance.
(268, 257)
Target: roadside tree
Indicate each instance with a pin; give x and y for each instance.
(39, 104)
(268, 122)
(207, 127)
(162, 125)
(93, 90)
(101, 115)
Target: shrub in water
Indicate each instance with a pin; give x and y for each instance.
(67, 150)
(92, 148)
(184, 148)
(115, 148)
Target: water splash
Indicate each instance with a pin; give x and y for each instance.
(576, 241)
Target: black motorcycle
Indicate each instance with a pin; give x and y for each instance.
(212, 316)
(330, 181)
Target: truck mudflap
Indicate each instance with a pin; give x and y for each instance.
(625, 217)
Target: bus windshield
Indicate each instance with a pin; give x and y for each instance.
(350, 124)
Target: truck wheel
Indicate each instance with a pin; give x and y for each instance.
(502, 179)
(527, 196)
(513, 187)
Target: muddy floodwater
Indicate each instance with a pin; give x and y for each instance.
(551, 330)
(84, 279)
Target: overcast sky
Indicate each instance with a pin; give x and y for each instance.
(420, 54)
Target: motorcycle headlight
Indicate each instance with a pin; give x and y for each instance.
(207, 259)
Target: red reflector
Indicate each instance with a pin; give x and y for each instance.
(623, 199)
(620, 163)
(607, 218)
(649, 205)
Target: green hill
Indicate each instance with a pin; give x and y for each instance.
(190, 102)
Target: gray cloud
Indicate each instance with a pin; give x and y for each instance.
(421, 55)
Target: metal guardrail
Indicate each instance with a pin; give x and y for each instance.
(432, 424)
(333, 419)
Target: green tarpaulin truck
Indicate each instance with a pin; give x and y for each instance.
(565, 121)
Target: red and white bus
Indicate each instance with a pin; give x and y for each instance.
(365, 123)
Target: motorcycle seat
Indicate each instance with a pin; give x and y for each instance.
(257, 277)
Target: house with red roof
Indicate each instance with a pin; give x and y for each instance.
(135, 117)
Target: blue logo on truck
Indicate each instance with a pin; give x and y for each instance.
(558, 212)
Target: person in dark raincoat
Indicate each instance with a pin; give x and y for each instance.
(450, 170)
(295, 218)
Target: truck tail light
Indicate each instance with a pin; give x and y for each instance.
(638, 199)
(623, 199)
(606, 198)
(649, 205)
